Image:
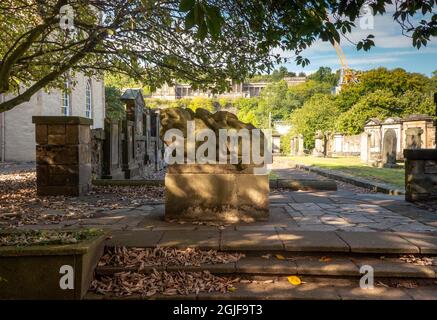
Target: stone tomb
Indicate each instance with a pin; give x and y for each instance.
(215, 192)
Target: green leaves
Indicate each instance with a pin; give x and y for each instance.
(186, 5)
(206, 17)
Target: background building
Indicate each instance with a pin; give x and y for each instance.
(246, 90)
(17, 133)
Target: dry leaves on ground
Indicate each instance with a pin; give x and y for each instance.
(33, 237)
(142, 257)
(20, 204)
(166, 283)
(421, 261)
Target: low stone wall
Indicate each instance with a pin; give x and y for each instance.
(420, 174)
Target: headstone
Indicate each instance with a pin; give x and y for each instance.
(63, 155)
(389, 148)
(319, 145)
(112, 150)
(413, 139)
(133, 143)
(300, 147)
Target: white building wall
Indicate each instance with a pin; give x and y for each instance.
(19, 137)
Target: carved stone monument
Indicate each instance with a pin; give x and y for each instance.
(413, 138)
(212, 191)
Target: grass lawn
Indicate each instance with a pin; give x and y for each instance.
(354, 167)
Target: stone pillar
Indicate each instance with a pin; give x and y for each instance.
(300, 150)
(63, 155)
(420, 174)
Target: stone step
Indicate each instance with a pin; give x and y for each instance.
(281, 241)
(332, 266)
(311, 288)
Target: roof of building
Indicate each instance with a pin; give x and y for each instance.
(131, 94)
(418, 117)
(373, 122)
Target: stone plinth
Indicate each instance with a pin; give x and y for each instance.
(216, 193)
(420, 174)
(63, 155)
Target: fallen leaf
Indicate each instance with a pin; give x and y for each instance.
(325, 259)
(294, 280)
(280, 257)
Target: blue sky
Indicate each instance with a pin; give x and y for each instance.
(392, 50)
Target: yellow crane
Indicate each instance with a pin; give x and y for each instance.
(347, 75)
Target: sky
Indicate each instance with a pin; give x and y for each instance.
(392, 50)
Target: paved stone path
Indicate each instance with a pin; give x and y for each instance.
(348, 209)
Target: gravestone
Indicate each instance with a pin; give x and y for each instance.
(365, 147)
(319, 147)
(212, 191)
(300, 147)
(112, 150)
(389, 149)
(413, 139)
(133, 137)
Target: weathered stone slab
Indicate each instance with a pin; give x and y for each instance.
(426, 293)
(191, 239)
(333, 267)
(260, 265)
(138, 238)
(34, 272)
(312, 241)
(377, 242)
(250, 240)
(391, 269)
(379, 293)
(229, 197)
(427, 243)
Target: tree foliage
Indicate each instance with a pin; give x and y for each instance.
(113, 105)
(325, 75)
(318, 113)
(203, 42)
(379, 104)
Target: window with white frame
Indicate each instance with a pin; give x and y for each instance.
(88, 100)
(65, 99)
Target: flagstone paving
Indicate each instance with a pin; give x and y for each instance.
(349, 209)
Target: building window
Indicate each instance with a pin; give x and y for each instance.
(88, 100)
(65, 100)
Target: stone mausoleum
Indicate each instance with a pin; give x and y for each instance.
(383, 142)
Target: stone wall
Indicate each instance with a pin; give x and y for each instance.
(343, 145)
(420, 174)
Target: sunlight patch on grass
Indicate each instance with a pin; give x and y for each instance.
(354, 167)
